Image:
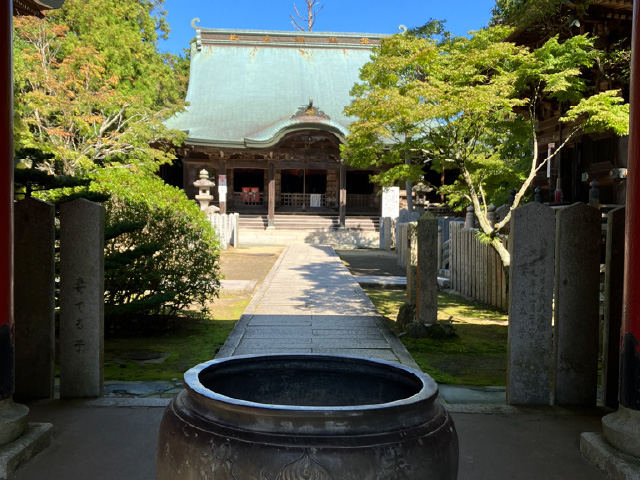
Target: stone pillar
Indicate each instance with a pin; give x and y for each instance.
(34, 298)
(385, 233)
(613, 293)
(343, 195)
(577, 292)
(529, 344)
(412, 262)
(81, 299)
(271, 190)
(427, 301)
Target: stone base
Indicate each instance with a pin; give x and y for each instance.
(622, 430)
(36, 437)
(13, 420)
(617, 465)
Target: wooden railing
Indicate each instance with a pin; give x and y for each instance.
(240, 199)
(358, 200)
(311, 200)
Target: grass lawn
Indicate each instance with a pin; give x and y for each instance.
(476, 356)
(191, 338)
(187, 340)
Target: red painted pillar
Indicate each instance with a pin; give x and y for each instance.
(6, 203)
(630, 333)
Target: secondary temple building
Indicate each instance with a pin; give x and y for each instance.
(265, 119)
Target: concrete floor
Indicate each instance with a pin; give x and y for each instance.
(496, 442)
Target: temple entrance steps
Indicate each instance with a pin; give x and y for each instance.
(360, 231)
(365, 223)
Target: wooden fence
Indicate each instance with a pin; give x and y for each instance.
(475, 268)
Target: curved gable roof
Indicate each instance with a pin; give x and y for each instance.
(246, 88)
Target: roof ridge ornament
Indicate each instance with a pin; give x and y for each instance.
(310, 111)
(198, 35)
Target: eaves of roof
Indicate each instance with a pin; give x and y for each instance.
(35, 7)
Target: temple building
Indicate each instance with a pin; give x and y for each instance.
(588, 157)
(265, 119)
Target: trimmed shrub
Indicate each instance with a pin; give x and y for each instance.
(171, 262)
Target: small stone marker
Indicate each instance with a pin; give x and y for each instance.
(81, 299)
(427, 299)
(385, 233)
(34, 299)
(530, 358)
(578, 235)
(412, 262)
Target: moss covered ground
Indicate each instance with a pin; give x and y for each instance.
(477, 355)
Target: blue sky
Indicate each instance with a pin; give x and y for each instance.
(362, 16)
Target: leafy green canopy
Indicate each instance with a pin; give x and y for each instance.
(169, 261)
(91, 88)
(548, 14)
(472, 105)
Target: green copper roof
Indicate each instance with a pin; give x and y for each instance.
(250, 88)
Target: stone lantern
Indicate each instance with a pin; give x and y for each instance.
(204, 189)
(421, 190)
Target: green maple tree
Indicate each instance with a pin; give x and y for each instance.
(472, 104)
(91, 88)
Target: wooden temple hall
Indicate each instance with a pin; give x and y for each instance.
(265, 118)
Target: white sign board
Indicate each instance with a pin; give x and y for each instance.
(315, 200)
(222, 187)
(391, 202)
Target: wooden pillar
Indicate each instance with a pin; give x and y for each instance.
(621, 429)
(630, 334)
(343, 195)
(271, 222)
(6, 205)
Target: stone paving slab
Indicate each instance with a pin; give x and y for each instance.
(362, 332)
(240, 350)
(279, 344)
(237, 285)
(280, 320)
(273, 332)
(382, 281)
(310, 303)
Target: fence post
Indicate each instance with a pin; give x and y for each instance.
(439, 247)
(470, 218)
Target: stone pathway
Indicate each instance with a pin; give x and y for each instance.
(310, 303)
